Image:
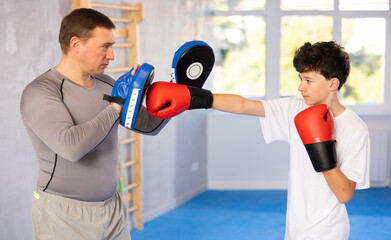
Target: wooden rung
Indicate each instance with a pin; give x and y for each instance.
(127, 140)
(125, 20)
(132, 209)
(114, 6)
(130, 196)
(130, 187)
(119, 69)
(123, 45)
(130, 163)
(120, 32)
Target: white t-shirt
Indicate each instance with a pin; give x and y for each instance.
(313, 211)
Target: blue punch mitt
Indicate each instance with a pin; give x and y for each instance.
(129, 91)
(192, 63)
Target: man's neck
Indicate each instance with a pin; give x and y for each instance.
(72, 71)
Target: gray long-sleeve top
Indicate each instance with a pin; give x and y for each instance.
(74, 134)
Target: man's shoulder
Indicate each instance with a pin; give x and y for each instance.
(48, 80)
(43, 88)
(105, 78)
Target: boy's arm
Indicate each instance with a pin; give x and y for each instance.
(237, 104)
(166, 100)
(340, 185)
(315, 126)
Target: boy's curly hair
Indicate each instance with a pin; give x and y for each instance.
(327, 58)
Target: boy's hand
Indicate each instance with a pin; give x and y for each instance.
(315, 126)
(166, 100)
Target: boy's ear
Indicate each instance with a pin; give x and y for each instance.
(334, 84)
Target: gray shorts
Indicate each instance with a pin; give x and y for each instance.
(56, 217)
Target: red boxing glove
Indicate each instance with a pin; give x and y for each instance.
(166, 100)
(315, 126)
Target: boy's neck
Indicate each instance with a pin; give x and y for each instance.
(336, 107)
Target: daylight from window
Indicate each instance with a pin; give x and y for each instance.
(240, 44)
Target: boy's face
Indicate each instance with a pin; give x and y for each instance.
(315, 88)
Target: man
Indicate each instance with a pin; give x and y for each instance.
(74, 134)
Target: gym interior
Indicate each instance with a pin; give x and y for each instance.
(209, 174)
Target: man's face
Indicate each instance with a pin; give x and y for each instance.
(97, 51)
(314, 87)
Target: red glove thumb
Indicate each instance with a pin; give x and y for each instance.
(315, 124)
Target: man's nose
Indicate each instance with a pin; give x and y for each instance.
(110, 54)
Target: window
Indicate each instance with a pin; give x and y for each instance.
(255, 42)
(289, 5)
(364, 5)
(242, 41)
(296, 30)
(364, 39)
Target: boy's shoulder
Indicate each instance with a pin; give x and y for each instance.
(293, 104)
(292, 101)
(350, 120)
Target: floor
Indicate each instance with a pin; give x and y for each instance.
(249, 215)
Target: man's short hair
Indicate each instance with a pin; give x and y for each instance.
(80, 23)
(327, 58)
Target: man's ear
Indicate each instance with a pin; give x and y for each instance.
(74, 44)
(334, 84)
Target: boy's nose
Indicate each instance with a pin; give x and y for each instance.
(301, 87)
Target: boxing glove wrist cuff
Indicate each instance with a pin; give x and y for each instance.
(323, 155)
(200, 98)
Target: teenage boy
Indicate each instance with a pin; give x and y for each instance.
(317, 191)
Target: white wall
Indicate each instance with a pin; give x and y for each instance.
(28, 47)
(174, 160)
(239, 158)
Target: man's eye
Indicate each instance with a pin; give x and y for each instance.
(105, 47)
